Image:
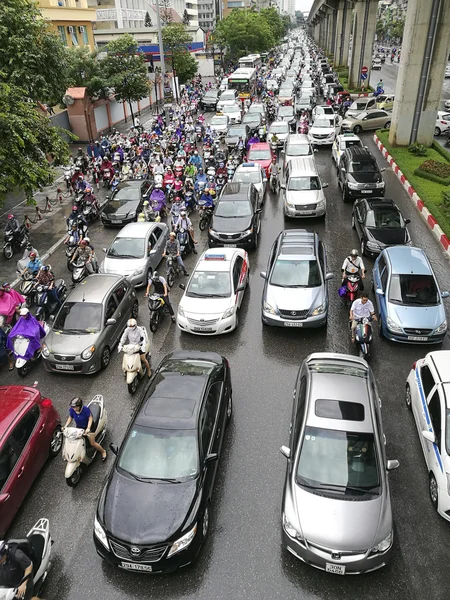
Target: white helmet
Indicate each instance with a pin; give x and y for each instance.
(24, 312)
(132, 323)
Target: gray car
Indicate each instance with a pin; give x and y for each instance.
(89, 324)
(136, 251)
(336, 511)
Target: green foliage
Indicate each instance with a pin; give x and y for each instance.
(148, 20)
(245, 32)
(85, 70)
(176, 39)
(418, 149)
(31, 56)
(125, 69)
(27, 139)
(275, 22)
(397, 29)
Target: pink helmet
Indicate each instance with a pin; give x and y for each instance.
(11, 216)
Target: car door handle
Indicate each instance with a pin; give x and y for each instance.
(119, 314)
(20, 472)
(42, 428)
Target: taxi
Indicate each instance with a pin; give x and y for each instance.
(385, 101)
(341, 143)
(214, 292)
(252, 173)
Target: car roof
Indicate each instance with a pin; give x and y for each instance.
(381, 203)
(218, 259)
(298, 139)
(359, 152)
(404, 260)
(297, 242)
(249, 167)
(14, 401)
(441, 362)
(132, 183)
(348, 136)
(136, 229)
(94, 288)
(237, 191)
(302, 165)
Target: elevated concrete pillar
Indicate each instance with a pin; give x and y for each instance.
(316, 33)
(364, 23)
(418, 91)
(330, 28)
(342, 34)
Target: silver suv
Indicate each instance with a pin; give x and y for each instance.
(336, 512)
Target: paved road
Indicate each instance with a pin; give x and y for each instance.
(243, 557)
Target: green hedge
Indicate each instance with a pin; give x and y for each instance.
(432, 177)
(429, 191)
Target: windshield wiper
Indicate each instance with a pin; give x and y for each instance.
(169, 480)
(124, 256)
(75, 331)
(330, 487)
(215, 296)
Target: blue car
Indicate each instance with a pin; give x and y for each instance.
(408, 297)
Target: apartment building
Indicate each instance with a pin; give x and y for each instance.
(73, 20)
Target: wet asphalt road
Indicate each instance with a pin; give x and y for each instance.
(243, 557)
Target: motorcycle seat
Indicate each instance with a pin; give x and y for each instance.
(95, 410)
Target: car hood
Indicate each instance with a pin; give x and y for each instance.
(122, 266)
(286, 118)
(303, 197)
(365, 177)
(295, 299)
(68, 344)
(389, 236)
(231, 225)
(343, 525)
(146, 513)
(197, 308)
(209, 100)
(231, 139)
(417, 317)
(321, 130)
(121, 211)
(226, 102)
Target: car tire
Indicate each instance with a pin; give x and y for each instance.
(56, 442)
(106, 357)
(345, 197)
(387, 125)
(135, 310)
(408, 397)
(357, 129)
(437, 131)
(353, 221)
(433, 490)
(230, 407)
(205, 522)
(363, 248)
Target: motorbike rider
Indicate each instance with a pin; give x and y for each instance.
(274, 168)
(137, 335)
(82, 160)
(10, 302)
(16, 571)
(33, 266)
(158, 168)
(353, 265)
(160, 287)
(200, 180)
(173, 249)
(184, 222)
(47, 278)
(77, 218)
(85, 253)
(13, 225)
(83, 420)
(221, 170)
(190, 171)
(148, 211)
(196, 160)
(360, 309)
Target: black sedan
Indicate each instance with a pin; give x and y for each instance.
(379, 224)
(235, 132)
(209, 100)
(153, 514)
(253, 120)
(126, 202)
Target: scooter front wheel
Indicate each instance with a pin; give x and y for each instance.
(74, 479)
(8, 251)
(23, 371)
(132, 387)
(170, 278)
(154, 321)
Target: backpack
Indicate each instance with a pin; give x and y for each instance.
(23, 544)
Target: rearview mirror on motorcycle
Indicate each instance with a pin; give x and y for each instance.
(114, 449)
(111, 322)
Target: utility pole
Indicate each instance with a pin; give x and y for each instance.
(161, 50)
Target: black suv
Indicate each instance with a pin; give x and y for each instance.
(209, 100)
(236, 219)
(153, 512)
(359, 175)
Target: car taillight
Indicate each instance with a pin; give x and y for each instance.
(414, 365)
(47, 403)
(444, 122)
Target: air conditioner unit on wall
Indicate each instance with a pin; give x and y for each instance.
(70, 29)
(81, 29)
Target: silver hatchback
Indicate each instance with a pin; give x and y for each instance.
(336, 513)
(89, 324)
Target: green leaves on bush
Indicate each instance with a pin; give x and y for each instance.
(418, 149)
(435, 167)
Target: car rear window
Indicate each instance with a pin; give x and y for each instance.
(338, 409)
(260, 154)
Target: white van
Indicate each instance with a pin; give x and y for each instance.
(302, 191)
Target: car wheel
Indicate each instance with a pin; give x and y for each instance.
(408, 397)
(388, 125)
(205, 522)
(363, 248)
(353, 222)
(135, 310)
(433, 490)
(106, 357)
(74, 479)
(230, 407)
(357, 129)
(437, 131)
(345, 197)
(56, 442)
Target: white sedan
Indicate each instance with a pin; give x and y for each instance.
(341, 143)
(442, 123)
(323, 131)
(233, 111)
(428, 397)
(214, 292)
(220, 123)
(252, 173)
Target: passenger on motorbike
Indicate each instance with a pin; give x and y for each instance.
(158, 168)
(138, 336)
(83, 420)
(353, 265)
(16, 571)
(10, 302)
(190, 171)
(85, 253)
(173, 249)
(360, 309)
(33, 266)
(221, 170)
(200, 180)
(160, 284)
(184, 222)
(76, 218)
(47, 278)
(196, 160)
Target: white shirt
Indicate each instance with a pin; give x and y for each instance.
(361, 310)
(353, 265)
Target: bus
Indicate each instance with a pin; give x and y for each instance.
(252, 61)
(243, 80)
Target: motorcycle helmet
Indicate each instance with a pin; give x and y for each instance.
(11, 216)
(155, 276)
(23, 312)
(74, 208)
(42, 268)
(29, 247)
(32, 254)
(83, 243)
(76, 402)
(132, 323)
(6, 286)
(354, 252)
(274, 159)
(146, 203)
(183, 213)
(212, 193)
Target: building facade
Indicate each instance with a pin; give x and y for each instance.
(73, 20)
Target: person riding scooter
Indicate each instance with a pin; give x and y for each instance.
(160, 287)
(33, 266)
(137, 335)
(85, 253)
(83, 420)
(184, 222)
(47, 278)
(360, 309)
(16, 571)
(10, 302)
(196, 160)
(353, 265)
(30, 328)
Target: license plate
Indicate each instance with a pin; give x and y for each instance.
(65, 367)
(336, 569)
(415, 338)
(304, 212)
(299, 324)
(366, 191)
(231, 245)
(116, 220)
(202, 329)
(135, 567)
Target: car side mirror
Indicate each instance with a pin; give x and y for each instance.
(107, 197)
(392, 464)
(4, 498)
(324, 185)
(52, 317)
(111, 322)
(105, 250)
(383, 169)
(379, 291)
(182, 286)
(445, 294)
(240, 288)
(316, 150)
(329, 276)
(285, 451)
(211, 458)
(429, 435)
(114, 449)
(407, 221)
(263, 274)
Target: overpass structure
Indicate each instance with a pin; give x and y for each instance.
(346, 29)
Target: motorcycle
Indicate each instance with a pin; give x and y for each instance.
(107, 177)
(175, 211)
(91, 210)
(45, 300)
(303, 127)
(350, 290)
(79, 270)
(68, 174)
(220, 182)
(185, 241)
(38, 547)
(274, 182)
(189, 200)
(77, 451)
(363, 336)
(157, 308)
(26, 288)
(15, 241)
(23, 262)
(205, 213)
(173, 269)
(132, 366)
(70, 251)
(25, 341)
(158, 202)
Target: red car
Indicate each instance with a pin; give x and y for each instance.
(30, 432)
(262, 154)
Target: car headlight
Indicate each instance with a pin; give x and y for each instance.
(270, 309)
(248, 231)
(393, 326)
(132, 214)
(229, 312)
(139, 271)
(352, 186)
(86, 354)
(384, 544)
(380, 184)
(373, 246)
(100, 533)
(290, 529)
(45, 351)
(183, 542)
(442, 328)
(319, 310)
(180, 311)
(212, 232)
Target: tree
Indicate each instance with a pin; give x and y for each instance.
(31, 56)
(165, 12)
(245, 32)
(27, 139)
(126, 70)
(397, 29)
(176, 40)
(272, 16)
(85, 70)
(186, 18)
(148, 20)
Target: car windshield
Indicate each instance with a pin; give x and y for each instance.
(304, 101)
(227, 96)
(380, 217)
(123, 247)
(322, 123)
(230, 109)
(324, 110)
(209, 284)
(230, 208)
(79, 318)
(300, 184)
(247, 176)
(350, 143)
(298, 150)
(211, 95)
(363, 166)
(255, 108)
(124, 195)
(259, 154)
(417, 290)
(219, 121)
(279, 127)
(286, 111)
(338, 463)
(296, 273)
(237, 131)
(252, 118)
(159, 454)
